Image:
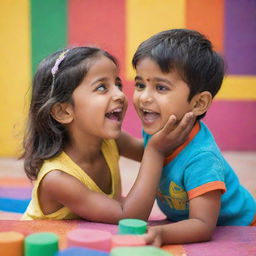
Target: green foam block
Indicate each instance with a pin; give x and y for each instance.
(41, 244)
(132, 227)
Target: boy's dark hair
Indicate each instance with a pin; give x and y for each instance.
(189, 53)
(45, 137)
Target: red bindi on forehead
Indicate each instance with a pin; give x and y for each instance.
(148, 79)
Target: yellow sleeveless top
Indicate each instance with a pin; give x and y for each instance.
(64, 163)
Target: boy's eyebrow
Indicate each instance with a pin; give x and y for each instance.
(158, 79)
(155, 79)
(138, 78)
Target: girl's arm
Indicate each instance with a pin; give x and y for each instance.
(203, 215)
(133, 148)
(70, 192)
(130, 146)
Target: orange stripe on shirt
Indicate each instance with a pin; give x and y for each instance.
(192, 134)
(253, 222)
(210, 186)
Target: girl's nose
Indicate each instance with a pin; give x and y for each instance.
(118, 95)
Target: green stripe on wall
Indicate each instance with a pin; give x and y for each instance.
(48, 28)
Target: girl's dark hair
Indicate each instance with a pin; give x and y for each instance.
(45, 137)
(189, 53)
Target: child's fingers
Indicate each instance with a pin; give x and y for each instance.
(190, 121)
(170, 124)
(186, 124)
(149, 238)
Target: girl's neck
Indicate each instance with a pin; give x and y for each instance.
(84, 151)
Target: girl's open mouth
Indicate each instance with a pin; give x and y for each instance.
(115, 115)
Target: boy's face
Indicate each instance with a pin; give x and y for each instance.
(158, 95)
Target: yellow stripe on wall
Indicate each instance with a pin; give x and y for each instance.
(147, 17)
(14, 72)
(238, 88)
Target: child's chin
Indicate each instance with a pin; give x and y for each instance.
(114, 135)
(150, 131)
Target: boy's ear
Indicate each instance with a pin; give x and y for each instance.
(201, 102)
(62, 112)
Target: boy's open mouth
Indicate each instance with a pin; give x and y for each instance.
(115, 114)
(149, 116)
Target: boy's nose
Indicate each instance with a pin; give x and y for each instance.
(146, 96)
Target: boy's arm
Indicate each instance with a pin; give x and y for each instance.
(130, 146)
(203, 216)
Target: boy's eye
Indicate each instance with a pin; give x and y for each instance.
(101, 87)
(162, 88)
(139, 86)
(120, 86)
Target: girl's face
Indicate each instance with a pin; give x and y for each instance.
(158, 95)
(99, 103)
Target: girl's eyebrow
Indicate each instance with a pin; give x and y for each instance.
(104, 79)
(101, 79)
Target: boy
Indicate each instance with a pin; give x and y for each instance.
(177, 72)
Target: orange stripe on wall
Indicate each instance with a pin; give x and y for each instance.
(208, 18)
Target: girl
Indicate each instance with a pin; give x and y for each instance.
(74, 139)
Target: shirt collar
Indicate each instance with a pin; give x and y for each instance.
(191, 136)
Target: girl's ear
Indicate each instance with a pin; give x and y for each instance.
(62, 112)
(201, 102)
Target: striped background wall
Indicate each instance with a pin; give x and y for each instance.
(30, 30)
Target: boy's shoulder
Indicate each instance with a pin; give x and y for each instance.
(204, 139)
(203, 144)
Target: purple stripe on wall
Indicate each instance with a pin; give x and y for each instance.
(240, 36)
(233, 124)
(16, 193)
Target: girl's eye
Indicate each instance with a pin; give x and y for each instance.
(162, 88)
(101, 88)
(139, 86)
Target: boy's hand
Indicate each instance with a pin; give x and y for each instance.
(172, 135)
(154, 236)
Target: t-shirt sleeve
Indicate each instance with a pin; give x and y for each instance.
(204, 173)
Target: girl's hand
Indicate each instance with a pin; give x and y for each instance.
(154, 236)
(172, 134)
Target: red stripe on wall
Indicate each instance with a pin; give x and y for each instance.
(100, 23)
(208, 18)
(233, 124)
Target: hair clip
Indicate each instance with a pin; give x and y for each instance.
(58, 61)
(56, 67)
